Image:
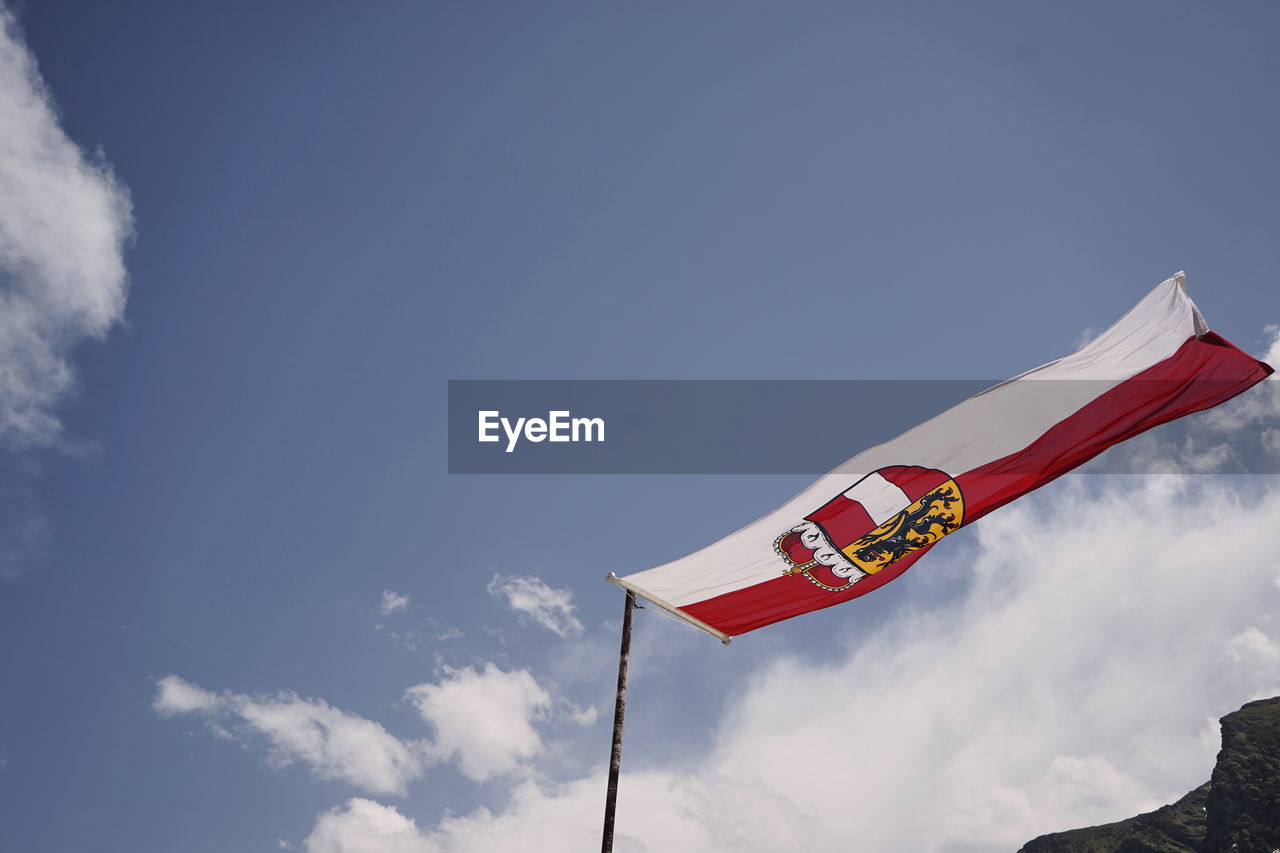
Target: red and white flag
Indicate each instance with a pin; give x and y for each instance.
(869, 520)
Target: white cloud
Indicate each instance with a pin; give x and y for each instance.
(333, 743)
(1091, 644)
(175, 696)
(1252, 646)
(64, 221)
(363, 826)
(1101, 628)
(393, 602)
(1260, 406)
(1272, 355)
(529, 596)
(1088, 335)
(576, 715)
(483, 718)
(656, 812)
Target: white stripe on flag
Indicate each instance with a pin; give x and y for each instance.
(881, 499)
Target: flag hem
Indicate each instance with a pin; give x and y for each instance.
(670, 608)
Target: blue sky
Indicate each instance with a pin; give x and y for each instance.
(243, 248)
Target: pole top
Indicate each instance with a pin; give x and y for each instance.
(670, 608)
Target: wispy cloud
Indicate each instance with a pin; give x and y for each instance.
(64, 223)
(393, 602)
(168, 639)
(175, 696)
(333, 743)
(24, 533)
(530, 597)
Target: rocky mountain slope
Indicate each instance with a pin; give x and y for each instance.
(1236, 811)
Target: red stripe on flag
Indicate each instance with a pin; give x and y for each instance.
(1203, 373)
(783, 597)
(843, 519)
(914, 481)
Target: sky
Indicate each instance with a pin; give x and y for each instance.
(244, 248)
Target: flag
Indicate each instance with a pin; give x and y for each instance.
(870, 519)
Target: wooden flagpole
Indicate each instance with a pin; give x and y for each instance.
(619, 709)
(620, 706)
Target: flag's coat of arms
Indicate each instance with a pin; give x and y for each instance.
(886, 515)
(870, 519)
